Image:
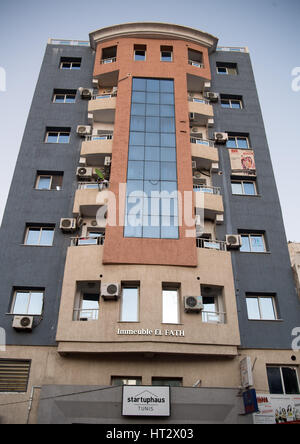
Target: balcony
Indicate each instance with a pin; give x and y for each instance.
(88, 201)
(201, 111)
(211, 244)
(89, 240)
(210, 201)
(103, 108)
(97, 147)
(204, 152)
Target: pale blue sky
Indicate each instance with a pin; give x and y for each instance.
(270, 28)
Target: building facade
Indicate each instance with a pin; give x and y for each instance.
(143, 242)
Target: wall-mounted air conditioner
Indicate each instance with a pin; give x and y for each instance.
(233, 241)
(212, 96)
(221, 137)
(86, 93)
(84, 130)
(110, 291)
(23, 323)
(84, 173)
(68, 225)
(193, 304)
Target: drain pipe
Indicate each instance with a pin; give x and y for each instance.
(33, 388)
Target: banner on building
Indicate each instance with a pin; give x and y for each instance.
(242, 162)
(277, 409)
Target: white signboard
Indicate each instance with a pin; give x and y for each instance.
(246, 372)
(141, 400)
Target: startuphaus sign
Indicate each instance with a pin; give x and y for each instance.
(146, 401)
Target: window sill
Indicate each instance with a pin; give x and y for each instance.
(266, 320)
(42, 246)
(247, 195)
(256, 252)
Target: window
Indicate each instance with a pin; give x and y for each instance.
(261, 308)
(109, 55)
(64, 96)
(14, 375)
(226, 68)
(170, 305)
(140, 52)
(195, 58)
(213, 305)
(236, 141)
(87, 301)
(28, 302)
(166, 53)
(230, 102)
(171, 382)
(253, 243)
(126, 380)
(283, 380)
(58, 135)
(48, 181)
(39, 236)
(244, 187)
(69, 63)
(130, 304)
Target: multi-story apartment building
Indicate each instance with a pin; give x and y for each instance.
(107, 283)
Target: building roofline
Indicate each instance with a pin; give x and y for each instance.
(154, 30)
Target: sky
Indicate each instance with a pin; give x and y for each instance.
(270, 28)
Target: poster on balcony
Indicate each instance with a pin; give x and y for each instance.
(277, 409)
(242, 162)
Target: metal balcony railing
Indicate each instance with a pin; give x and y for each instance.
(99, 137)
(82, 241)
(85, 314)
(198, 100)
(233, 48)
(207, 189)
(103, 96)
(211, 244)
(196, 64)
(201, 141)
(213, 317)
(93, 185)
(108, 60)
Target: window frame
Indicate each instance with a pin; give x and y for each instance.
(58, 137)
(227, 68)
(236, 147)
(125, 380)
(65, 98)
(280, 367)
(40, 228)
(131, 287)
(71, 68)
(258, 298)
(30, 292)
(262, 235)
(242, 181)
(230, 103)
(169, 288)
(136, 49)
(39, 176)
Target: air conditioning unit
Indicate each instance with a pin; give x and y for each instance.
(213, 97)
(23, 323)
(84, 173)
(68, 224)
(84, 130)
(110, 291)
(86, 93)
(233, 241)
(193, 304)
(197, 129)
(93, 223)
(221, 137)
(107, 161)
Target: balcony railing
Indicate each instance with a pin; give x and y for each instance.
(233, 48)
(196, 64)
(82, 241)
(86, 314)
(213, 317)
(99, 137)
(108, 60)
(68, 42)
(103, 96)
(211, 244)
(93, 185)
(201, 141)
(207, 189)
(198, 100)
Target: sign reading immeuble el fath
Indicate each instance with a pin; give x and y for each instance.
(150, 332)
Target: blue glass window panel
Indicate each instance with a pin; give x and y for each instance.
(152, 139)
(151, 206)
(44, 183)
(152, 110)
(70, 98)
(231, 142)
(167, 125)
(130, 231)
(135, 169)
(169, 186)
(64, 138)
(152, 124)
(167, 111)
(168, 171)
(33, 236)
(169, 227)
(151, 232)
(139, 84)
(166, 99)
(153, 98)
(47, 236)
(139, 55)
(59, 98)
(138, 109)
(152, 153)
(168, 154)
(257, 244)
(134, 187)
(52, 137)
(136, 153)
(152, 170)
(151, 187)
(153, 85)
(242, 142)
(134, 206)
(169, 207)
(249, 188)
(168, 140)
(167, 86)
(245, 244)
(137, 123)
(138, 97)
(137, 138)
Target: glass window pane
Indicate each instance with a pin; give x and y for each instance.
(253, 308)
(274, 380)
(167, 125)
(138, 109)
(59, 98)
(153, 98)
(152, 110)
(167, 111)
(166, 56)
(169, 227)
(137, 123)
(170, 307)
(249, 188)
(139, 84)
(129, 311)
(152, 139)
(152, 124)
(44, 183)
(290, 380)
(135, 170)
(133, 231)
(153, 85)
(64, 138)
(167, 86)
(245, 244)
(136, 153)
(139, 55)
(33, 236)
(137, 138)
(242, 142)
(168, 171)
(152, 170)
(168, 154)
(231, 142)
(167, 99)
(225, 103)
(21, 303)
(257, 244)
(151, 186)
(134, 187)
(152, 153)
(168, 140)
(70, 98)
(151, 231)
(236, 104)
(267, 308)
(236, 188)
(47, 236)
(169, 186)
(36, 303)
(52, 137)
(138, 97)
